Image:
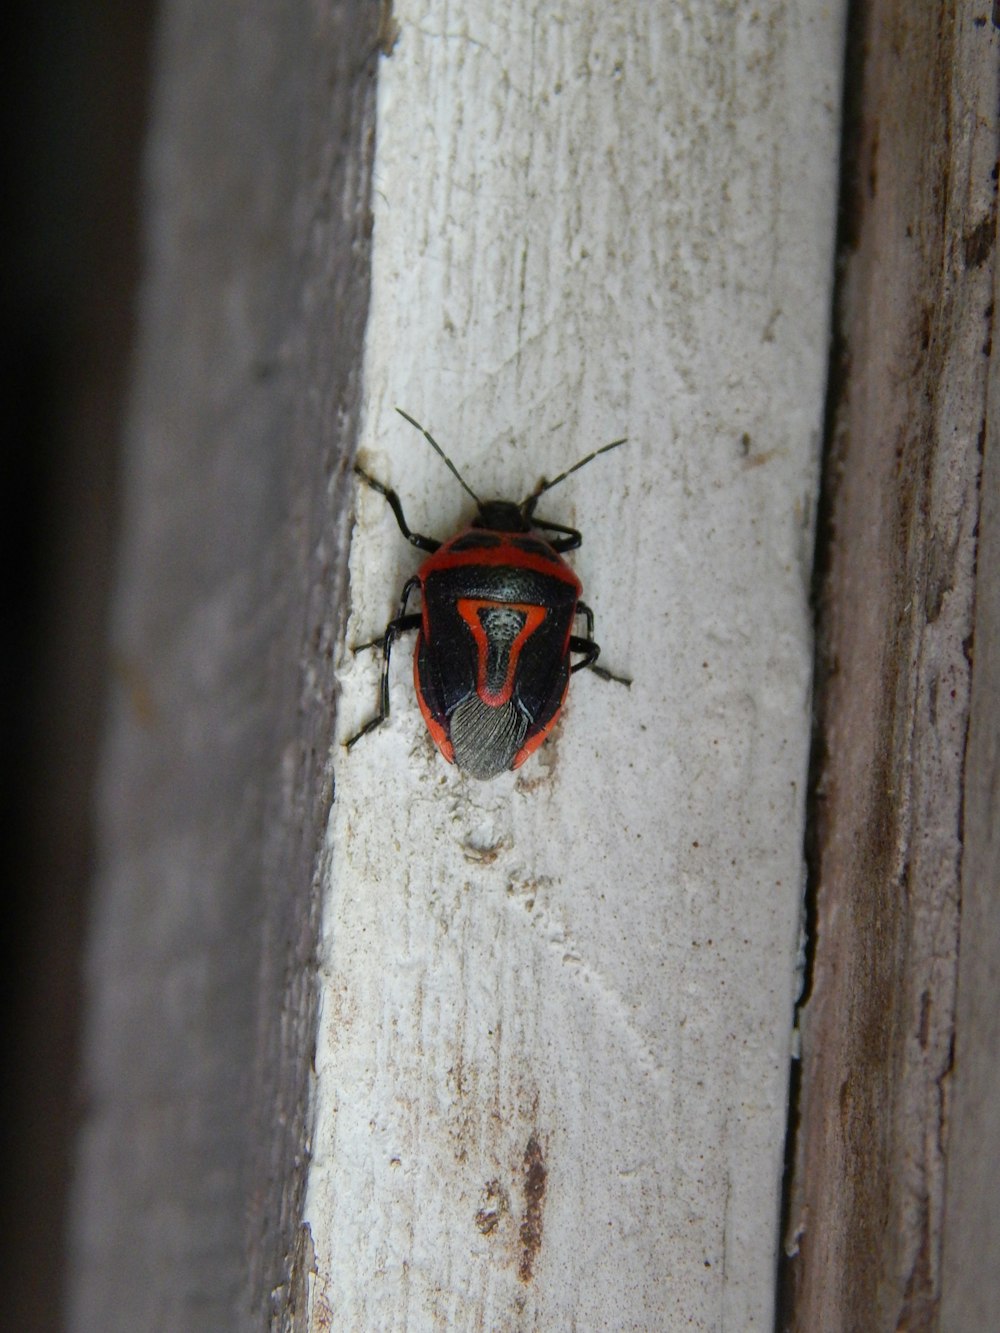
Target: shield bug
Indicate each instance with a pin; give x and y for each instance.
(495, 641)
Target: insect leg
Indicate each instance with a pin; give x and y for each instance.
(590, 649)
(402, 624)
(569, 542)
(415, 538)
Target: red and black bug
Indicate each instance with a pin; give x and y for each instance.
(495, 637)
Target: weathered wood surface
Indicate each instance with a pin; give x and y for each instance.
(970, 1277)
(899, 634)
(215, 787)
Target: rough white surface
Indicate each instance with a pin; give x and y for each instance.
(591, 220)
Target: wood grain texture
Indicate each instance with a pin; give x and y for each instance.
(897, 624)
(215, 788)
(970, 1277)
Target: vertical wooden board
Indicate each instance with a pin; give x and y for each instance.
(970, 1265)
(896, 640)
(213, 797)
(556, 1010)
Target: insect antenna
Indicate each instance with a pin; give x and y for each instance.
(441, 453)
(528, 505)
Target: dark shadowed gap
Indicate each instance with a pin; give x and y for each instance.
(838, 371)
(73, 106)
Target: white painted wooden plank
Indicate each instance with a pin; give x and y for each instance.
(590, 220)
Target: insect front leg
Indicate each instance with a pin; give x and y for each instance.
(590, 649)
(415, 538)
(402, 624)
(568, 542)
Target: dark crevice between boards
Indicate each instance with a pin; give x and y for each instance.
(73, 103)
(850, 210)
